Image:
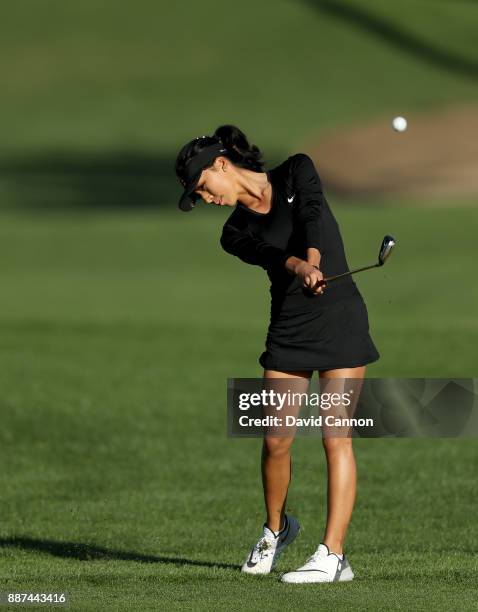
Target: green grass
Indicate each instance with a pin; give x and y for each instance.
(170, 273)
(95, 76)
(119, 485)
(119, 326)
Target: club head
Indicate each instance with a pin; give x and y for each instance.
(387, 246)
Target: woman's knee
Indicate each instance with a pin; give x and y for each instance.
(334, 445)
(274, 446)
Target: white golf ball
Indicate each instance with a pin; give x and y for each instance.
(399, 124)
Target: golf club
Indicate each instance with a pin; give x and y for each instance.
(385, 249)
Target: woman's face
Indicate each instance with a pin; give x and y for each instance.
(216, 186)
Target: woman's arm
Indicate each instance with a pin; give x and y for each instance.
(308, 206)
(313, 257)
(251, 249)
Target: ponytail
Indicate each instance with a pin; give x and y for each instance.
(240, 152)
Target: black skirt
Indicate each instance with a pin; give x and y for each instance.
(306, 333)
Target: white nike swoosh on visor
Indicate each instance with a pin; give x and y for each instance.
(291, 199)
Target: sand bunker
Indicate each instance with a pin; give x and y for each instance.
(436, 156)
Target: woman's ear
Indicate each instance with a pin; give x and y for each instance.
(223, 164)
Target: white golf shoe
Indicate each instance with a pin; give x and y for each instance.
(322, 566)
(265, 554)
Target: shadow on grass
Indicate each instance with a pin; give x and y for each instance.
(88, 181)
(88, 552)
(394, 36)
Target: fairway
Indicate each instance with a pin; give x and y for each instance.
(121, 318)
(119, 482)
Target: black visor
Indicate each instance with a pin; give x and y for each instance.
(192, 174)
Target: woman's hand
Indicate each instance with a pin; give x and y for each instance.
(310, 278)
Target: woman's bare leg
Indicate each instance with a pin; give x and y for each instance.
(276, 460)
(342, 475)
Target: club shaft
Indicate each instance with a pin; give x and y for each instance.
(331, 278)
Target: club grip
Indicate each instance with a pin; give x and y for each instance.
(319, 283)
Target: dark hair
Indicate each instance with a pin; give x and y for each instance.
(239, 151)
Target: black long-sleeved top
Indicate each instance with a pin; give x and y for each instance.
(299, 218)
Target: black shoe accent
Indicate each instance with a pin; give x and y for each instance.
(286, 524)
(332, 553)
(284, 537)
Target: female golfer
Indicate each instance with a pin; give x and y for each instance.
(282, 222)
